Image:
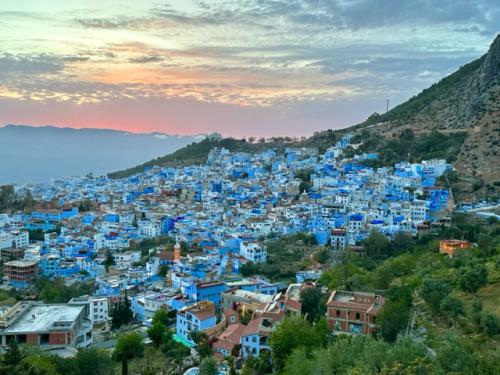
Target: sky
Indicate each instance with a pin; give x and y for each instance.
(239, 67)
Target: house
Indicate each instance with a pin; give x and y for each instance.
(253, 251)
(449, 247)
(48, 326)
(229, 342)
(198, 317)
(20, 272)
(353, 312)
(206, 291)
(97, 308)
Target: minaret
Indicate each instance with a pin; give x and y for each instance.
(177, 251)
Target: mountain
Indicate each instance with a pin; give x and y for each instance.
(457, 118)
(467, 100)
(37, 154)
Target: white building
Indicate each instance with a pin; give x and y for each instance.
(99, 309)
(21, 239)
(253, 252)
(149, 228)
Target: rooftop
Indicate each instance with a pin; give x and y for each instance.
(42, 318)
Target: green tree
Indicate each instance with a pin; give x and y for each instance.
(208, 366)
(453, 356)
(490, 324)
(37, 365)
(110, 260)
(377, 245)
(121, 313)
(13, 356)
(392, 319)
(202, 345)
(433, 291)
(163, 271)
(402, 242)
(311, 303)
(94, 361)
(291, 334)
(452, 307)
(127, 347)
(470, 279)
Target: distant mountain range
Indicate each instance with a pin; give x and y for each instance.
(37, 154)
(464, 107)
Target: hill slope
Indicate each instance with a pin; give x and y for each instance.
(466, 102)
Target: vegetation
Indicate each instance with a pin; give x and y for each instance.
(408, 146)
(56, 291)
(161, 337)
(121, 313)
(20, 361)
(286, 256)
(10, 201)
(127, 347)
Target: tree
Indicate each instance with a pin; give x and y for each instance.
(127, 347)
(377, 245)
(260, 365)
(93, 361)
(452, 307)
(121, 313)
(110, 260)
(13, 356)
(156, 333)
(311, 303)
(163, 271)
(291, 334)
(323, 256)
(433, 291)
(490, 324)
(202, 345)
(208, 366)
(37, 365)
(453, 356)
(392, 319)
(249, 269)
(402, 242)
(470, 279)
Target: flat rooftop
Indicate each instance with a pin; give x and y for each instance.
(41, 318)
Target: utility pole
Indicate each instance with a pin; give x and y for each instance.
(387, 106)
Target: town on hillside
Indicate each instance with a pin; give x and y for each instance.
(211, 263)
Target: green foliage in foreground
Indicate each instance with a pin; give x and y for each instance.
(366, 355)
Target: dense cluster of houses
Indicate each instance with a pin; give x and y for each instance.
(219, 213)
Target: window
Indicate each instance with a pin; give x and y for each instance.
(338, 313)
(358, 316)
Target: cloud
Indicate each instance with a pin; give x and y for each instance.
(27, 64)
(145, 59)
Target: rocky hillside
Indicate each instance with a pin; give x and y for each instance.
(467, 100)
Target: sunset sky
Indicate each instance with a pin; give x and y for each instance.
(243, 68)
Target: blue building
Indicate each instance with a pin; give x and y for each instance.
(197, 317)
(208, 291)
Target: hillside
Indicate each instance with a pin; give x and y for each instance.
(467, 100)
(463, 107)
(197, 152)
